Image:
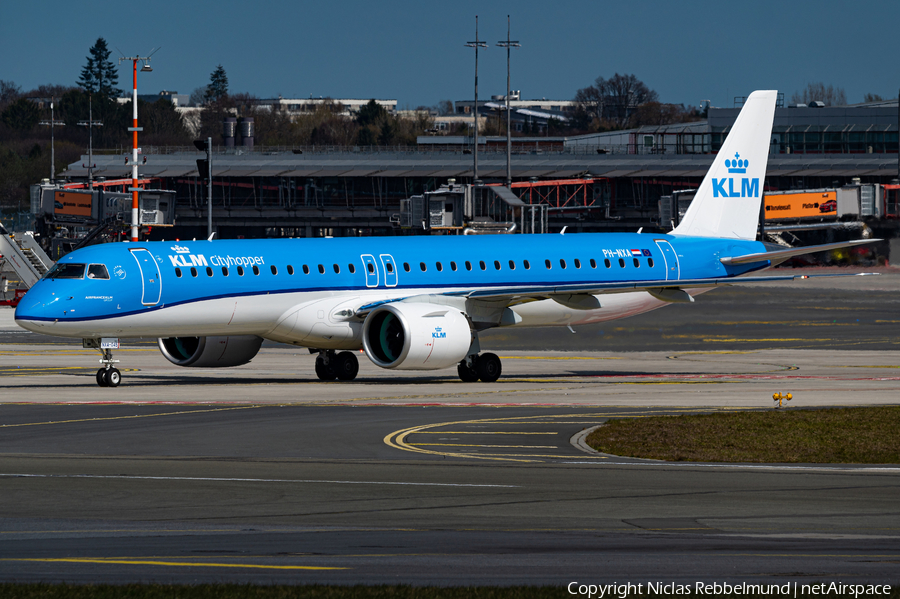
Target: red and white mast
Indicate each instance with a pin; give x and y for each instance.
(135, 224)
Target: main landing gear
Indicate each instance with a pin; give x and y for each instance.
(485, 367)
(343, 366)
(108, 375)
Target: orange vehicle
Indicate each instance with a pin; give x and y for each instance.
(800, 204)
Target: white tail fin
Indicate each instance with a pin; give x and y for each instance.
(727, 202)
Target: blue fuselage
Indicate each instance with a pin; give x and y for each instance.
(148, 286)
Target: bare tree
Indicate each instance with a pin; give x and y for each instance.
(48, 91)
(444, 107)
(197, 96)
(611, 103)
(626, 93)
(657, 113)
(819, 92)
(9, 93)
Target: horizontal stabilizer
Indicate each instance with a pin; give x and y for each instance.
(779, 256)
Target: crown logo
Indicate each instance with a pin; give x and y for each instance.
(180, 249)
(738, 165)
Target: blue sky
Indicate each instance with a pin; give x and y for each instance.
(414, 52)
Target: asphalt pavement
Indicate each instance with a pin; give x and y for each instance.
(264, 474)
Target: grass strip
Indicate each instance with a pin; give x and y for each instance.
(814, 436)
(234, 591)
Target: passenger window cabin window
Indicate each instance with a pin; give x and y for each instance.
(193, 272)
(97, 271)
(468, 265)
(562, 263)
(497, 264)
(321, 270)
(337, 269)
(593, 263)
(274, 270)
(240, 271)
(422, 266)
(577, 263)
(406, 266)
(178, 272)
(351, 268)
(208, 271)
(453, 266)
(224, 271)
(607, 263)
(622, 262)
(438, 266)
(526, 264)
(650, 262)
(290, 269)
(512, 265)
(255, 270)
(637, 263)
(547, 264)
(305, 269)
(482, 265)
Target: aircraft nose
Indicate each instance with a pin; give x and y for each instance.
(34, 311)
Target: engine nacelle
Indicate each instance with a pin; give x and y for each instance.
(416, 336)
(210, 352)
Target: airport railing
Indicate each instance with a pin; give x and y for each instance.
(517, 149)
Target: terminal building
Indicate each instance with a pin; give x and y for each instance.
(599, 182)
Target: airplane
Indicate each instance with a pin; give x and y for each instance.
(411, 303)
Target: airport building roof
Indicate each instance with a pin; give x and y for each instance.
(548, 165)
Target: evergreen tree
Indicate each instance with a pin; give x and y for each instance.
(218, 86)
(22, 115)
(99, 75)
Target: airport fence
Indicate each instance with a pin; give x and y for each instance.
(518, 149)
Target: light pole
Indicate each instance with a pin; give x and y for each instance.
(476, 44)
(51, 123)
(134, 130)
(205, 145)
(90, 124)
(508, 44)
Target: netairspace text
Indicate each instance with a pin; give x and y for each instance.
(793, 590)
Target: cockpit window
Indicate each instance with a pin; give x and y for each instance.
(66, 270)
(97, 271)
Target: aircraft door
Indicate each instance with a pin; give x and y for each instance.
(152, 286)
(673, 269)
(371, 268)
(390, 270)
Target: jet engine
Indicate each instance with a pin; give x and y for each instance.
(410, 336)
(210, 352)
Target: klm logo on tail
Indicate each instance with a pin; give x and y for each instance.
(726, 186)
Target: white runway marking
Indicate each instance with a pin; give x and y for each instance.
(257, 480)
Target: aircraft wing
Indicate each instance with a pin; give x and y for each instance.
(578, 295)
(656, 288)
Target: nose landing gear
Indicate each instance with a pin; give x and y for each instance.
(108, 375)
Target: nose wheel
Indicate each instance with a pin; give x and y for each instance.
(108, 375)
